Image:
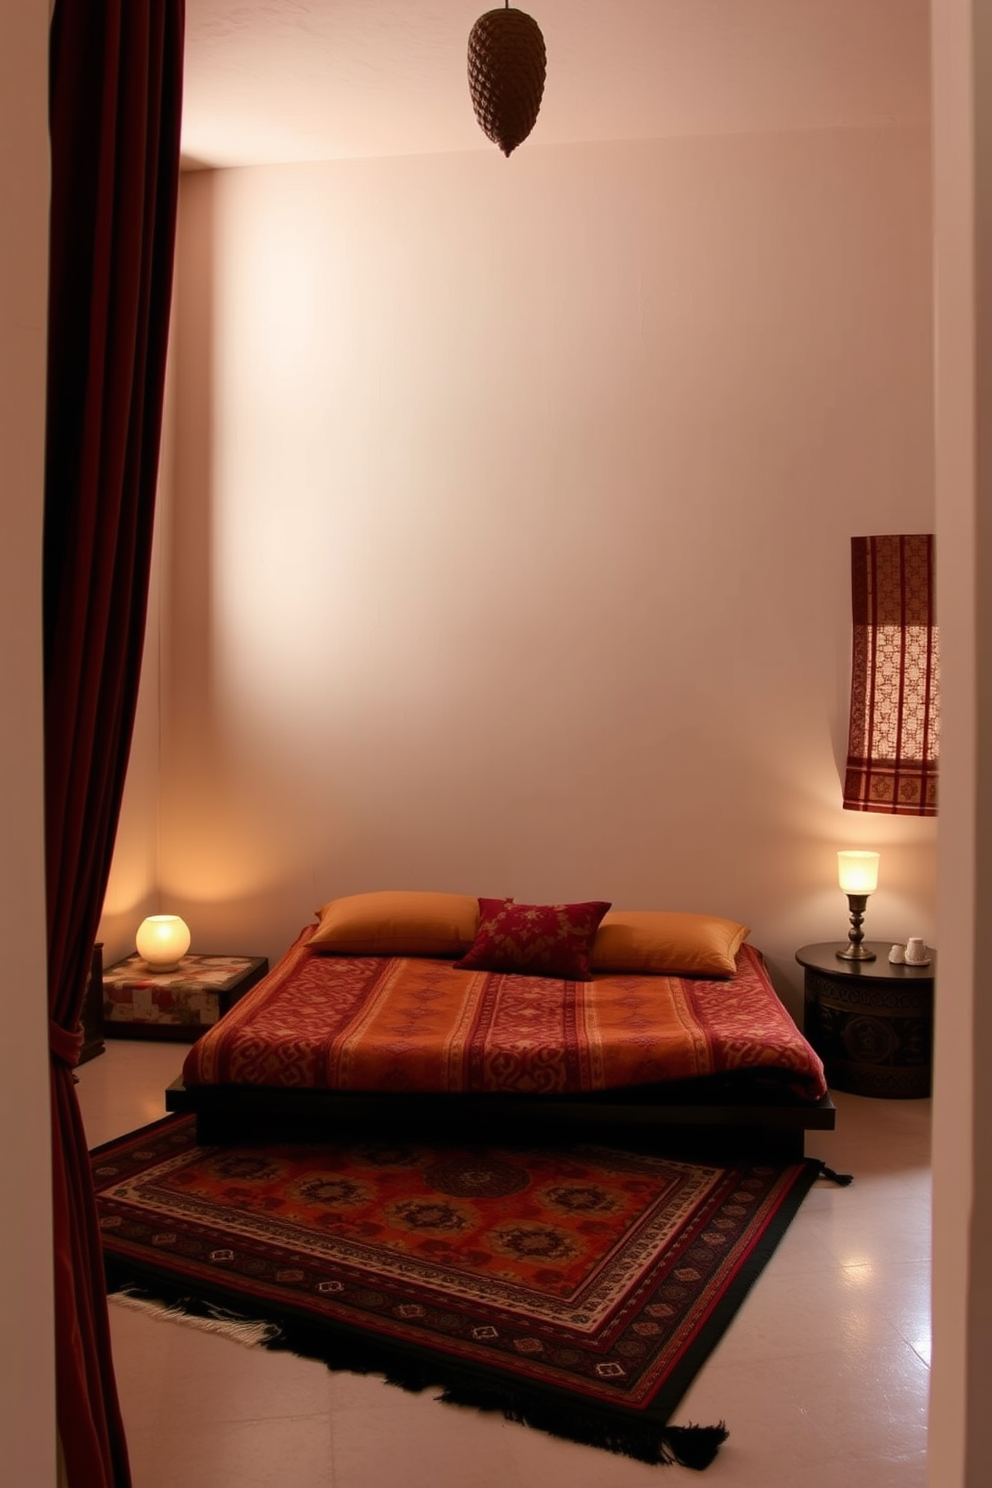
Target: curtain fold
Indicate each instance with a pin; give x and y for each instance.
(115, 109)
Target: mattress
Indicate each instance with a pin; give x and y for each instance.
(413, 1024)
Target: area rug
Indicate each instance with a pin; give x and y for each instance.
(577, 1289)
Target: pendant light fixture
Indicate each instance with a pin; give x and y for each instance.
(506, 71)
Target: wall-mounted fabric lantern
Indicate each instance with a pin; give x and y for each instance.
(894, 739)
(506, 71)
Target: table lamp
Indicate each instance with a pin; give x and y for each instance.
(857, 873)
(162, 941)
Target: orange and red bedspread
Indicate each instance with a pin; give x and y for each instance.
(365, 1023)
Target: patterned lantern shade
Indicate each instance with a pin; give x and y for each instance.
(506, 69)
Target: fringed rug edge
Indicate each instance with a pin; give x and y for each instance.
(642, 1439)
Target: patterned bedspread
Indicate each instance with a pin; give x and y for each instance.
(368, 1023)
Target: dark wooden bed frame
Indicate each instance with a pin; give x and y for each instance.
(706, 1118)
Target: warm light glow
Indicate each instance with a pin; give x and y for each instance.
(857, 872)
(162, 941)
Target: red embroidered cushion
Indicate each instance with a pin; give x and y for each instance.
(549, 940)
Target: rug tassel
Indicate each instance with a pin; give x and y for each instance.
(842, 1178)
(687, 1446)
(215, 1320)
(695, 1446)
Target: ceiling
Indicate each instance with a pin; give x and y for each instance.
(282, 80)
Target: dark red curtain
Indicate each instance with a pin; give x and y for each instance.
(115, 103)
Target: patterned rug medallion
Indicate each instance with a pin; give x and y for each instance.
(577, 1289)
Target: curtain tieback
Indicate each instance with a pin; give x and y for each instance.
(64, 1044)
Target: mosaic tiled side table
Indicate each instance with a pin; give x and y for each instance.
(180, 1004)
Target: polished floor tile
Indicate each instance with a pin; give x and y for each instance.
(821, 1378)
(243, 1454)
(200, 1378)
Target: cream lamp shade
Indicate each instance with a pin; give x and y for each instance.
(162, 941)
(857, 872)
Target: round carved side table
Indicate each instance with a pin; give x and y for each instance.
(870, 1022)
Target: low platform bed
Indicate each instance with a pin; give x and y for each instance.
(709, 1124)
(437, 1011)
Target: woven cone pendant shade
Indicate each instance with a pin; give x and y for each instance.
(506, 68)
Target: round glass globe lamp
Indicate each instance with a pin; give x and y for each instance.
(162, 941)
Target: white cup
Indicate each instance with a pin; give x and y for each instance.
(897, 955)
(916, 950)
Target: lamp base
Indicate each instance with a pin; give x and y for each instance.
(855, 950)
(856, 953)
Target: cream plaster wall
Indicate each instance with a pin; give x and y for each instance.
(510, 527)
(27, 1366)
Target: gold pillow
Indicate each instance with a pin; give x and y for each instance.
(395, 923)
(677, 944)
